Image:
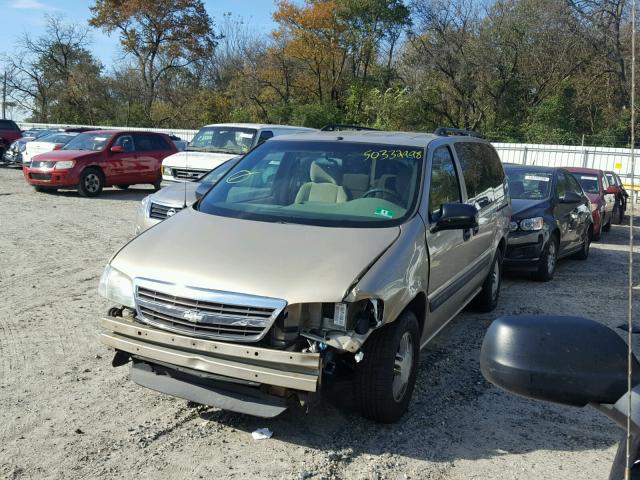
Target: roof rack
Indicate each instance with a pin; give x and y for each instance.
(338, 127)
(446, 132)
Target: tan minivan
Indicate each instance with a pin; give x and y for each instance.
(318, 254)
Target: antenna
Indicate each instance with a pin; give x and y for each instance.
(627, 470)
(186, 167)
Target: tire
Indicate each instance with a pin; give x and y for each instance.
(385, 378)
(157, 185)
(122, 187)
(548, 261)
(488, 297)
(91, 182)
(597, 236)
(607, 227)
(583, 253)
(620, 460)
(618, 214)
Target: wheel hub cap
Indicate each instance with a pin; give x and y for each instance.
(402, 366)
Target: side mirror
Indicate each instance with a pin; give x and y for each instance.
(456, 216)
(57, 146)
(117, 149)
(611, 190)
(567, 360)
(570, 197)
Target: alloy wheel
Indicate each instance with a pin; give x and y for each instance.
(402, 366)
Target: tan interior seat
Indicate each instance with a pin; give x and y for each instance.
(322, 188)
(356, 183)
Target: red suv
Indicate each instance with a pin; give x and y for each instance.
(9, 133)
(97, 159)
(601, 195)
(621, 195)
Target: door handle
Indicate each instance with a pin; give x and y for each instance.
(466, 234)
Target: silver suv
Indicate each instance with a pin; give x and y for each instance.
(316, 255)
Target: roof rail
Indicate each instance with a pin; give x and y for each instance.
(446, 132)
(337, 127)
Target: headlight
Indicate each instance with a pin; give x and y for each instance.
(22, 147)
(594, 206)
(513, 226)
(167, 171)
(531, 224)
(117, 287)
(359, 316)
(144, 205)
(64, 165)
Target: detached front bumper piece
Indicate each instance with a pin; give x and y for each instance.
(235, 377)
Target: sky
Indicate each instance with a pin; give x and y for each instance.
(20, 16)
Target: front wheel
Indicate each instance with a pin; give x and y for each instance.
(548, 260)
(607, 227)
(157, 185)
(385, 377)
(583, 253)
(91, 182)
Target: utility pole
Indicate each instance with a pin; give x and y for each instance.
(4, 96)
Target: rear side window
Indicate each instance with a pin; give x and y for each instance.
(445, 185)
(482, 172)
(8, 125)
(146, 142)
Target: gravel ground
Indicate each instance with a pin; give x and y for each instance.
(66, 413)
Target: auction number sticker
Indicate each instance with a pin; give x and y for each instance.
(536, 178)
(584, 177)
(392, 154)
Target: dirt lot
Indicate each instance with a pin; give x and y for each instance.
(66, 413)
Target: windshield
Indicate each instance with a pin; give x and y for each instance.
(88, 141)
(529, 185)
(321, 183)
(589, 183)
(223, 140)
(57, 138)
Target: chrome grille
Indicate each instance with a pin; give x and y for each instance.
(188, 174)
(42, 165)
(160, 212)
(206, 313)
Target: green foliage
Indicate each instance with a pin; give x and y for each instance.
(315, 115)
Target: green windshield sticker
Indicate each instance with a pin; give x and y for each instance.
(383, 212)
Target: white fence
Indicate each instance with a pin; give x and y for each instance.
(603, 158)
(186, 135)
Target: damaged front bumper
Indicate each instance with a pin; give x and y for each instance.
(235, 377)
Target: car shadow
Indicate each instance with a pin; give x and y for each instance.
(454, 414)
(137, 193)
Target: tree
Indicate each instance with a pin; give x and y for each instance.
(162, 37)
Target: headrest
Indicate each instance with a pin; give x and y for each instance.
(320, 175)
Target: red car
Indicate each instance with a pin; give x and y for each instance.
(602, 197)
(9, 133)
(97, 159)
(621, 195)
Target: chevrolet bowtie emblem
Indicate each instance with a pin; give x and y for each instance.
(192, 316)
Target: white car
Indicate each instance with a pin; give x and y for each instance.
(47, 143)
(215, 144)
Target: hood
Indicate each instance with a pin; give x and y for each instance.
(55, 155)
(297, 263)
(519, 207)
(174, 195)
(197, 160)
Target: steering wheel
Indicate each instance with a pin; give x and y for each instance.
(393, 196)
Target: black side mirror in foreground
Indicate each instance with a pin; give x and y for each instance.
(567, 360)
(456, 216)
(570, 197)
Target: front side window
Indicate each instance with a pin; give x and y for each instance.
(223, 140)
(611, 179)
(574, 185)
(445, 185)
(89, 141)
(124, 141)
(482, 172)
(532, 185)
(328, 183)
